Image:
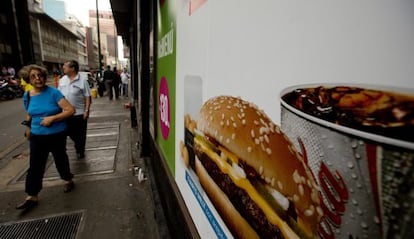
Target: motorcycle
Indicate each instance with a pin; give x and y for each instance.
(10, 89)
(6, 91)
(17, 88)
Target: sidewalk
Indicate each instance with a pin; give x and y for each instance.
(108, 200)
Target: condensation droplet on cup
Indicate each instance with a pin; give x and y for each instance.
(359, 211)
(352, 215)
(355, 202)
(354, 144)
(330, 146)
(376, 220)
(364, 225)
(350, 165)
(354, 176)
(321, 154)
(359, 185)
(351, 190)
(357, 156)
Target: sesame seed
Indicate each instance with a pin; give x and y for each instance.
(262, 130)
(303, 179)
(266, 139)
(268, 151)
(308, 212)
(272, 182)
(277, 129)
(309, 183)
(296, 177)
(280, 185)
(295, 198)
(234, 125)
(249, 149)
(252, 133)
(262, 121)
(314, 196)
(301, 189)
(319, 211)
(222, 116)
(233, 136)
(256, 141)
(261, 170)
(228, 140)
(243, 122)
(221, 123)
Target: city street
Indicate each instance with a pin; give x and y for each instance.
(11, 131)
(108, 201)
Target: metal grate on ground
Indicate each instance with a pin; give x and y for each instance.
(63, 226)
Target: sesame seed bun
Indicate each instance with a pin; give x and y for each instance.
(251, 135)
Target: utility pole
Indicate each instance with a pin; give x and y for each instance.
(99, 40)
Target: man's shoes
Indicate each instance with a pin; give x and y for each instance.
(27, 204)
(68, 186)
(80, 155)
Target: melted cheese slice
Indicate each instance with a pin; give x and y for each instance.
(245, 184)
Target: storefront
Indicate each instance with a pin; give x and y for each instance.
(185, 53)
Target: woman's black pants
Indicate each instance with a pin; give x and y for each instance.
(40, 147)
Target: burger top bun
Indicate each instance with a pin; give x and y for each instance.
(251, 135)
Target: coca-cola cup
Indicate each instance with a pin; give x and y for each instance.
(358, 141)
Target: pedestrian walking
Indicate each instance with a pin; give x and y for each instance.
(23, 75)
(111, 83)
(125, 82)
(47, 110)
(77, 91)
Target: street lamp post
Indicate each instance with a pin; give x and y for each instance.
(99, 40)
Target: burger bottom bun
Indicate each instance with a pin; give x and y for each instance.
(234, 221)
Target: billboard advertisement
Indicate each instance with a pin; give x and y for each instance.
(165, 79)
(289, 120)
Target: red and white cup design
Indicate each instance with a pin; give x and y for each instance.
(367, 187)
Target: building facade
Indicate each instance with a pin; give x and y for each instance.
(108, 36)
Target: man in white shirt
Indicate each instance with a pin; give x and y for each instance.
(125, 81)
(76, 90)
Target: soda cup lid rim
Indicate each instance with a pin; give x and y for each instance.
(347, 130)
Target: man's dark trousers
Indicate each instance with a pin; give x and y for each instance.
(77, 127)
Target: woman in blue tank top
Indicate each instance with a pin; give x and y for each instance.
(47, 110)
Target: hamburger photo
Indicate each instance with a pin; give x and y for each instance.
(257, 181)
